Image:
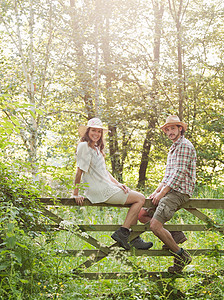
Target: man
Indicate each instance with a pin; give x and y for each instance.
(175, 189)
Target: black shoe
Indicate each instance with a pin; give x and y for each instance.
(121, 238)
(138, 243)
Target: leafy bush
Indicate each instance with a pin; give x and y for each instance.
(21, 258)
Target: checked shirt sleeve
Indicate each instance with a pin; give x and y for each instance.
(180, 171)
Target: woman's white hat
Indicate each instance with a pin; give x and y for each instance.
(94, 123)
(173, 120)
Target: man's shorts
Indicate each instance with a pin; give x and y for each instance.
(168, 205)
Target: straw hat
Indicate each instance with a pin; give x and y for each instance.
(173, 120)
(94, 123)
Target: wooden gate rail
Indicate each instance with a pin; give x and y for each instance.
(102, 251)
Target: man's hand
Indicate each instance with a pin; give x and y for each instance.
(156, 198)
(152, 195)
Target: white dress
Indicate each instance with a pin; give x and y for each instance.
(97, 184)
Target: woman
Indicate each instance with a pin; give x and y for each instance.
(100, 186)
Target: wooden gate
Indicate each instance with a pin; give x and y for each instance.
(96, 255)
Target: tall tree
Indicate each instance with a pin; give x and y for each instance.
(113, 137)
(32, 29)
(178, 10)
(158, 10)
(79, 65)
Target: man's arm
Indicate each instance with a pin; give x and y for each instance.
(157, 190)
(160, 194)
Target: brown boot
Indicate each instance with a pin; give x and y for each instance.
(178, 236)
(180, 261)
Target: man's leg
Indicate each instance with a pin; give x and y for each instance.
(163, 234)
(146, 215)
(181, 257)
(178, 236)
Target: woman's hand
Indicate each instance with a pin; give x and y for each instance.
(78, 199)
(124, 188)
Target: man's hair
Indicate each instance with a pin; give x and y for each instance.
(182, 131)
(87, 139)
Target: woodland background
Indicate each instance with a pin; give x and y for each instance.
(130, 63)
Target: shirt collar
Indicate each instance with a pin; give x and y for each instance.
(174, 145)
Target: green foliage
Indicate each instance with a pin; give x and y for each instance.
(29, 268)
(21, 259)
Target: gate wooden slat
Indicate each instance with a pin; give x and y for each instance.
(103, 250)
(110, 227)
(209, 203)
(154, 276)
(209, 221)
(194, 252)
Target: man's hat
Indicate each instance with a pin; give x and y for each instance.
(174, 120)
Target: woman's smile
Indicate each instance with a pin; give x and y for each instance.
(95, 134)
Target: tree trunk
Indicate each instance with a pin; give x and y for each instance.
(97, 21)
(116, 164)
(78, 43)
(33, 121)
(144, 158)
(178, 18)
(180, 66)
(31, 142)
(158, 15)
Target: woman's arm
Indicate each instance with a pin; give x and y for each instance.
(78, 199)
(113, 179)
(121, 186)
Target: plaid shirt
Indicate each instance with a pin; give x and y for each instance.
(180, 172)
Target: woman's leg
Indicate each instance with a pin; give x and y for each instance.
(136, 200)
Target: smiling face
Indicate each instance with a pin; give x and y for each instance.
(95, 134)
(173, 132)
